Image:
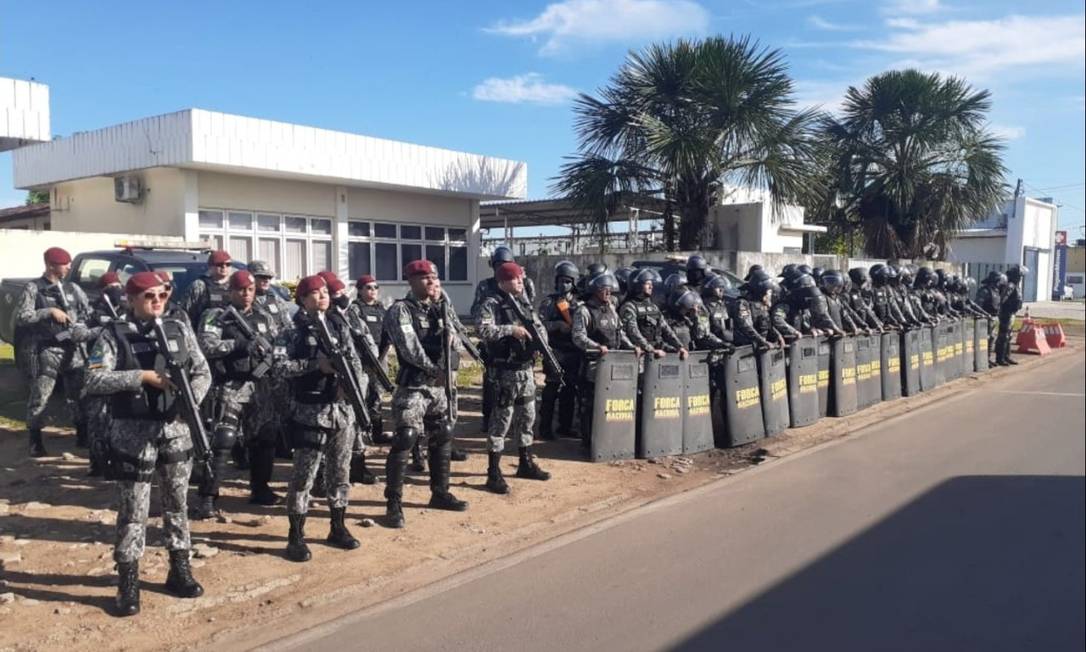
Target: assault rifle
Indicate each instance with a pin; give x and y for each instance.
(550, 361)
(447, 354)
(113, 314)
(262, 348)
(345, 372)
(369, 360)
(181, 387)
(66, 334)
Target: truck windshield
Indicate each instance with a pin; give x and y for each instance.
(182, 273)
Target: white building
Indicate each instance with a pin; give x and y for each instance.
(746, 220)
(24, 113)
(303, 199)
(1021, 232)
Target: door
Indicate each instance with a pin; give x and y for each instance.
(1030, 260)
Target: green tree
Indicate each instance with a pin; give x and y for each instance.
(684, 121)
(37, 197)
(909, 162)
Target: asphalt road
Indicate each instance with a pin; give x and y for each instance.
(959, 526)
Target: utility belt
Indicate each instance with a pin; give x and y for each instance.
(134, 469)
(510, 365)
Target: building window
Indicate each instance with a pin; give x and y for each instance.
(383, 249)
(292, 245)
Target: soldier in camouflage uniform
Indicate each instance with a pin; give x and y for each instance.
(360, 332)
(689, 320)
(644, 323)
(273, 388)
(209, 290)
(1009, 306)
(97, 407)
(753, 323)
(557, 311)
(417, 328)
(714, 297)
(238, 366)
(323, 421)
(147, 436)
(54, 312)
(372, 312)
(511, 354)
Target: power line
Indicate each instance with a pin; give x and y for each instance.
(1070, 185)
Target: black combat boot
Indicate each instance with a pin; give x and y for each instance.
(203, 508)
(296, 548)
(418, 459)
(263, 462)
(360, 472)
(527, 468)
(546, 411)
(394, 472)
(378, 432)
(128, 588)
(240, 455)
(458, 454)
(339, 536)
(81, 435)
(495, 481)
(440, 497)
(37, 444)
(96, 469)
(179, 580)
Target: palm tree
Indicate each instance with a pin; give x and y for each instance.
(910, 162)
(687, 120)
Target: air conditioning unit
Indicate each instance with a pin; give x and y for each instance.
(128, 189)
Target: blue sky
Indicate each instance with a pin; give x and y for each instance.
(496, 77)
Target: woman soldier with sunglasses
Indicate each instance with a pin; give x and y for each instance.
(148, 436)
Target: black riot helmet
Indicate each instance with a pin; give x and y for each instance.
(832, 282)
(637, 283)
(924, 278)
(754, 269)
(992, 279)
(602, 281)
(501, 255)
(903, 276)
(1015, 273)
(674, 280)
(788, 270)
(716, 287)
(880, 275)
(816, 272)
(696, 269)
(803, 287)
(686, 301)
(566, 269)
(622, 275)
(758, 287)
(859, 277)
(595, 269)
(941, 279)
(804, 268)
(970, 286)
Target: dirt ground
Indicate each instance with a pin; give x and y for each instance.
(56, 531)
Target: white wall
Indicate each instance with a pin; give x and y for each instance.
(979, 249)
(24, 112)
(88, 205)
(23, 249)
(218, 190)
(738, 226)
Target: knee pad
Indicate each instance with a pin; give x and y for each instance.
(225, 437)
(404, 438)
(439, 431)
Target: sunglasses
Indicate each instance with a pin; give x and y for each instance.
(221, 265)
(151, 296)
(371, 286)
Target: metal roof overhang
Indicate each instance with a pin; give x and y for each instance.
(557, 212)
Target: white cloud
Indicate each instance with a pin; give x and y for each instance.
(981, 47)
(821, 23)
(1007, 132)
(913, 7)
(563, 24)
(522, 89)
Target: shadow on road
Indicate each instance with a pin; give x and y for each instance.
(977, 563)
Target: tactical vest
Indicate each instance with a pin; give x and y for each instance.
(374, 317)
(988, 299)
(718, 317)
(429, 326)
(508, 352)
(649, 320)
(315, 387)
(683, 330)
(272, 304)
(833, 307)
(760, 317)
(237, 365)
(561, 341)
(604, 329)
(48, 296)
(137, 349)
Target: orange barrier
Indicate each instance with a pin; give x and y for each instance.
(1031, 338)
(1055, 336)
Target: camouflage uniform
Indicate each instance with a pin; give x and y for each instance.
(557, 311)
(646, 327)
(513, 361)
(417, 330)
(323, 421)
(359, 316)
(202, 294)
(56, 349)
(486, 288)
(146, 441)
(275, 390)
(595, 324)
(97, 407)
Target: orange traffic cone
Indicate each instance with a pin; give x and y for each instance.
(1031, 339)
(1055, 336)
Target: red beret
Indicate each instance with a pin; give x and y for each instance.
(365, 280)
(241, 279)
(309, 284)
(218, 258)
(165, 276)
(508, 272)
(57, 256)
(335, 285)
(419, 268)
(109, 278)
(141, 282)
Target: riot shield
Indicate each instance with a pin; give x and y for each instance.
(803, 381)
(980, 344)
(660, 414)
(743, 398)
(773, 373)
(890, 354)
(938, 348)
(697, 425)
(614, 409)
(912, 361)
(843, 379)
(868, 378)
(926, 341)
(823, 377)
(954, 350)
(965, 336)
